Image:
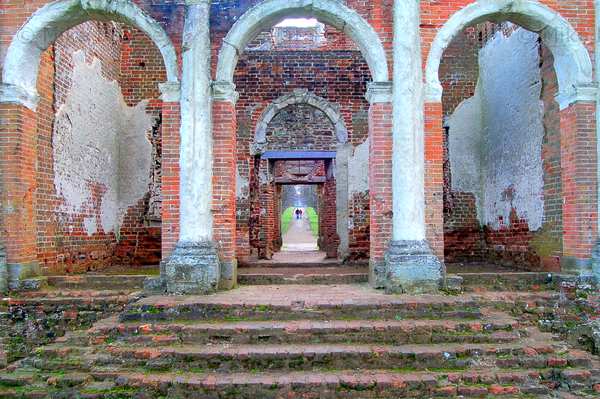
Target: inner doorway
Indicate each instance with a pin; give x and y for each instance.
(299, 218)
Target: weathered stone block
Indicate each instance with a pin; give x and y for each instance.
(411, 267)
(192, 268)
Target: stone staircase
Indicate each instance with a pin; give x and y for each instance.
(313, 341)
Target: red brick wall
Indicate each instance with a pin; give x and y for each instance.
(62, 242)
(513, 243)
(141, 70)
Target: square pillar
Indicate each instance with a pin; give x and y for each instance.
(18, 129)
(170, 168)
(380, 180)
(267, 211)
(579, 185)
(434, 178)
(224, 187)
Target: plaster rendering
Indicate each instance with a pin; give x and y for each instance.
(495, 137)
(100, 144)
(358, 169)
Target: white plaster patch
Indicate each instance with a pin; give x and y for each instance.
(242, 185)
(496, 136)
(465, 147)
(102, 155)
(358, 170)
(90, 226)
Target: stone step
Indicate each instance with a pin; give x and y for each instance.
(305, 275)
(52, 301)
(380, 384)
(528, 353)
(497, 328)
(509, 281)
(98, 282)
(328, 302)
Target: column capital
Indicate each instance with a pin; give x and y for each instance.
(170, 91)
(379, 92)
(587, 93)
(14, 94)
(224, 91)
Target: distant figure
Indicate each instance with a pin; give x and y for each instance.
(298, 214)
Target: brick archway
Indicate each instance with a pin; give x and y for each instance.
(303, 96)
(572, 61)
(331, 12)
(20, 71)
(295, 98)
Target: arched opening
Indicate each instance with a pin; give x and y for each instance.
(508, 80)
(92, 74)
(301, 109)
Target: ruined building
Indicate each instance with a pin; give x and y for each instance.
(299, 198)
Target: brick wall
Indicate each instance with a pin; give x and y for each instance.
(263, 76)
(141, 70)
(127, 56)
(62, 242)
(514, 242)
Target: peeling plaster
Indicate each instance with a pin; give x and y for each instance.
(242, 186)
(358, 170)
(495, 141)
(514, 131)
(100, 146)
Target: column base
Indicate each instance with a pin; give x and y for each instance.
(22, 276)
(192, 268)
(412, 268)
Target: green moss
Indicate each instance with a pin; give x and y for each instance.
(545, 242)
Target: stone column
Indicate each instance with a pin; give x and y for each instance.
(411, 266)
(193, 267)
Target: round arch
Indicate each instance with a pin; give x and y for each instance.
(301, 96)
(19, 75)
(571, 59)
(332, 12)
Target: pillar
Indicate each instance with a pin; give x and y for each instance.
(411, 265)
(171, 122)
(224, 179)
(194, 267)
(379, 96)
(579, 184)
(18, 128)
(342, 157)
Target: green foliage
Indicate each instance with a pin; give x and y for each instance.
(286, 218)
(288, 215)
(313, 218)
